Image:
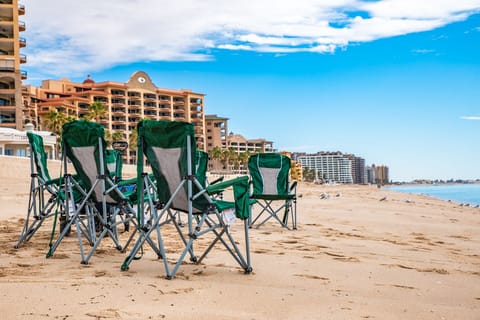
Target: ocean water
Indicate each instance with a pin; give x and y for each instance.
(461, 193)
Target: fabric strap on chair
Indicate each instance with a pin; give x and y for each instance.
(36, 144)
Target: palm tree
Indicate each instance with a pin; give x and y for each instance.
(229, 157)
(96, 111)
(215, 154)
(132, 140)
(117, 136)
(54, 123)
(243, 159)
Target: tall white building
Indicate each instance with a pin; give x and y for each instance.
(328, 166)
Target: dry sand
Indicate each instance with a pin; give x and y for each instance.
(360, 253)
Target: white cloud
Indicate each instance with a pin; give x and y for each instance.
(75, 37)
(470, 118)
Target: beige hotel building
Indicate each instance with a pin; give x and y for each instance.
(126, 103)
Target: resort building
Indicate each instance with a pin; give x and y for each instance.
(328, 166)
(381, 174)
(359, 173)
(216, 131)
(216, 136)
(14, 142)
(371, 174)
(238, 143)
(126, 104)
(10, 60)
(217, 128)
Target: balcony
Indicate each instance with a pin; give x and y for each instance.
(118, 93)
(151, 117)
(21, 26)
(134, 108)
(178, 110)
(118, 111)
(134, 95)
(7, 65)
(196, 120)
(150, 113)
(150, 108)
(198, 130)
(23, 75)
(21, 9)
(149, 97)
(22, 42)
(164, 99)
(118, 121)
(178, 117)
(133, 117)
(23, 58)
(119, 127)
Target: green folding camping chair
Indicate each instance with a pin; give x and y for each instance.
(269, 174)
(44, 191)
(102, 202)
(169, 147)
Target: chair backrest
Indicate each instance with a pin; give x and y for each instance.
(201, 164)
(168, 145)
(37, 151)
(269, 173)
(114, 163)
(84, 144)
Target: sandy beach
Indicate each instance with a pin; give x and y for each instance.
(359, 253)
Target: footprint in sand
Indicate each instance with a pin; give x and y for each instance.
(309, 276)
(261, 251)
(100, 273)
(434, 270)
(341, 257)
(396, 286)
(105, 314)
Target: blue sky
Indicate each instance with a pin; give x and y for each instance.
(395, 82)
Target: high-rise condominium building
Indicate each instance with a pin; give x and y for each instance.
(217, 136)
(10, 60)
(328, 166)
(126, 104)
(359, 173)
(381, 174)
(216, 131)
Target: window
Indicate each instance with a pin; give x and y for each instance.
(9, 152)
(21, 153)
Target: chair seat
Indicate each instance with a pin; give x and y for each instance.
(274, 196)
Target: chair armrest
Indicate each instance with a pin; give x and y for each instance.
(216, 181)
(221, 186)
(293, 186)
